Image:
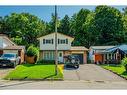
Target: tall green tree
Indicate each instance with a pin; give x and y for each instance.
(65, 25)
(108, 22)
(77, 26)
(73, 25)
(125, 23)
(24, 28)
(91, 35)
(51, 25)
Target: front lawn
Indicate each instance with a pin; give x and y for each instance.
(117, 69)
(34, 71)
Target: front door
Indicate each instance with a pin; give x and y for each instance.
(60, 56)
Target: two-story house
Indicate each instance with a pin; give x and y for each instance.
(47, 48)
(7, 46)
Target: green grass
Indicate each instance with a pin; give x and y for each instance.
(117, 69)
(34, 71)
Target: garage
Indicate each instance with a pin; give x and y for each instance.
(80, 56)
(81, 52)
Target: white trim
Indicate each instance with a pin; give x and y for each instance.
(57, 34)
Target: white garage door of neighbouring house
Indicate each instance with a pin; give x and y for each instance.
(10, 51)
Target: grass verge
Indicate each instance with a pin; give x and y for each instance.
(120, 70)
(34, 71)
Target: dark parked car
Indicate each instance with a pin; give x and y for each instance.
(73, 61)
(9, 59)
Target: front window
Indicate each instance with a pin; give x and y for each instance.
(49, 55)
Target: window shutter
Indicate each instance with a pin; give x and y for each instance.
(58, 41)
(52, 41)
(66, 41)
(43, 41)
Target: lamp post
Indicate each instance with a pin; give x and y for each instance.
(56, 51)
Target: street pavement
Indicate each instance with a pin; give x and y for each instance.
(88, 76)
(28, 85)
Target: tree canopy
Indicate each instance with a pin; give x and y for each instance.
(105, 25)
(23, 28)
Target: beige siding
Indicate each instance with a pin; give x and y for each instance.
(21, 53)
(85, 57)
(52, 46)
(10, 51)
(67, 53)
(22, 56)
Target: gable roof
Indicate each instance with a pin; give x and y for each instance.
(120, 47)
(101, 47)
(57, 33)
(11, 47)
(79, 48)
(7, 38)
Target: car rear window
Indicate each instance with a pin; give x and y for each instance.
(9, 55)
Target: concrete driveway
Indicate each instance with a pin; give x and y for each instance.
(91, 72)
(4, 71)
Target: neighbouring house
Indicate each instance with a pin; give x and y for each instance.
(107, 54)
(47, 48)
(7, 46)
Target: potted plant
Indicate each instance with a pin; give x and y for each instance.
(32, 54)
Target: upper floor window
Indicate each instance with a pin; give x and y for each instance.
(47, 41)
(62, 41)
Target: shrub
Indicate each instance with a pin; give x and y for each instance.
(47, 62)
(124, 63)
(32, 51)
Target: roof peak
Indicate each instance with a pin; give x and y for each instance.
(57, 33)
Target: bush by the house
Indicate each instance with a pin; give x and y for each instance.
(32, 54)
(124, 63)
(47, 62)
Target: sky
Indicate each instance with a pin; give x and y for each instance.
(44, 12)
